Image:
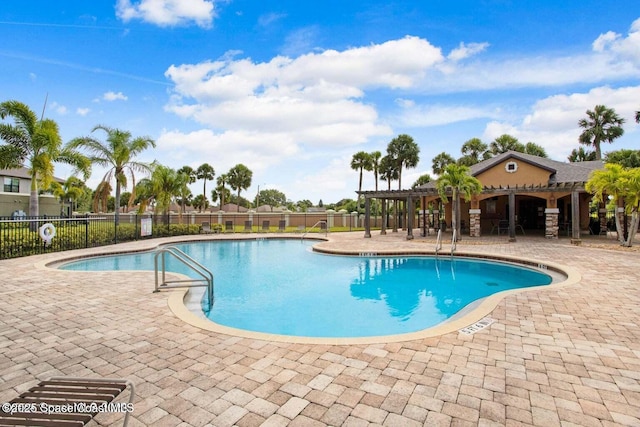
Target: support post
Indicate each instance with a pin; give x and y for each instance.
(512, 216)
(367, 217)
(410, 214)
(383, 227)
(575, 218)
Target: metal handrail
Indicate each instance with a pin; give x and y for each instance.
(326, 229)
(191, 263)
(439, 241)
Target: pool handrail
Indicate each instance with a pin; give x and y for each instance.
(191, 263)
(326, 228)
(454, 242)
(439, 242)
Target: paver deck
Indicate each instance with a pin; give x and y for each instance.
(564, 356)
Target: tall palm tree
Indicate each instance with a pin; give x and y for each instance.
(166, 184)
(239, 179)
(440, 162)
(608, 182)
(359, 162)
(118, 154)
(388, 170)
(375, 165)
(222, 190)
(458, 180)
(205, 172)
(601, 125)
(535, 149)
(405, 154)
(36, 145)
(632, 200)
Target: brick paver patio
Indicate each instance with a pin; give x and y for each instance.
(564, 356)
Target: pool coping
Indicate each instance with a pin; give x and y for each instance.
(469, 315)
(472, 313)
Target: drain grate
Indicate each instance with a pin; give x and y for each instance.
(478, 326)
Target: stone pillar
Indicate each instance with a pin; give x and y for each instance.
(575, 218)
(474, 222)
(354, 219)
(551, 223)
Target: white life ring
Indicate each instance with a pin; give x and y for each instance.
(47, 232)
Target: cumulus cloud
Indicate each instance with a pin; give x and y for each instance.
(413, 114)
(60, 109)
(553, 121)
(82, 111)
(167, 13)
(315, 98)
(113, 96)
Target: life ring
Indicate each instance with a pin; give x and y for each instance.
(47, 232)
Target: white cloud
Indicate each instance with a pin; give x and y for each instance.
(82, 111)
(167, 13)
(413, 114)
(466, 50)
(113, 96)
(270, 18)
(553, 121)
(60, 109)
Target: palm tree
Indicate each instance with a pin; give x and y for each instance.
(188, 176)
(205, 172)
(165, 185)
(608, 181)
(118, 154)
(473, 151)
(638, 116)
(221, 189)
(359, 162)
(72, 189)
(601, 125)
(458, 180)
(440, 162)
(632, 199)
(239, 179)
(375, 165)
(388, 170)
(505, 143)
(404, 153)
(36, 145)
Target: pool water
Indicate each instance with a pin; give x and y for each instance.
(280, 286)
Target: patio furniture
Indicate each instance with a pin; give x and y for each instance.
(265, 226)
(67, 401)
(282, 224)
(248, 226)
(228, 227)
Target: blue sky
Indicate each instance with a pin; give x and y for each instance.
(293, 89)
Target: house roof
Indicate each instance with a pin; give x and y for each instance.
(559, 172)
(22, 173)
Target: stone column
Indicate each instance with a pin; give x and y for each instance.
(410, 217)
(474, 222)
(551, 223)
(602, 214)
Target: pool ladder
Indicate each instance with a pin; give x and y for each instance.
(206, 277)
(454, 243)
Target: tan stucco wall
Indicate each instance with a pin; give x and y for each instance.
(526, 174)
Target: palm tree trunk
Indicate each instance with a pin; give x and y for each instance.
(633, 229)
(117, 204)
(619, 228)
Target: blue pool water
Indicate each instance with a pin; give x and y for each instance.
(282, 287)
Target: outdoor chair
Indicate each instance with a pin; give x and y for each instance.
(228, 227)
(206, 228)
(265, 226)
(248, 226)
(82, 399)
(282, 224)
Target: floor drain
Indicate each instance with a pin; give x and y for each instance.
(478, 326)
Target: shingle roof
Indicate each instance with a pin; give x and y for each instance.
(560, 172)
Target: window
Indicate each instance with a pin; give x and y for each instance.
(11, 185)
(511, 167)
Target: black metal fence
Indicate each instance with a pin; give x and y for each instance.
(37, 235)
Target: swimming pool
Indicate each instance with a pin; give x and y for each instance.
(280, 286)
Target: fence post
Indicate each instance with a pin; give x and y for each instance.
(86, 230)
